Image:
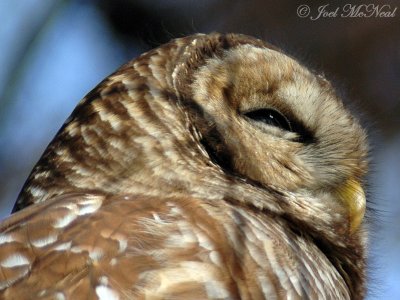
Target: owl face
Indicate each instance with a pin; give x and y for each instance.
(282, 126)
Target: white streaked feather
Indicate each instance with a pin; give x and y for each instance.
(15, 260)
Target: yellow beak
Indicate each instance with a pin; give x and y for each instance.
(353, 197)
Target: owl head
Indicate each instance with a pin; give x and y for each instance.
(266, 118)
(226, 105)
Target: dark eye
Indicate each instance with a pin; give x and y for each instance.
(270, 117)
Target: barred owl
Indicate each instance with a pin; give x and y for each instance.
(212, 167)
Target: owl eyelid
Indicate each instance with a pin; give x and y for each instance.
(280, 121)
(270, 117)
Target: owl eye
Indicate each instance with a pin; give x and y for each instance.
(270, 117)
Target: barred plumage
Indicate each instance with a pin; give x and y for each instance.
(211, 167)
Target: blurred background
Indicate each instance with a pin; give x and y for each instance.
(53, 52)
